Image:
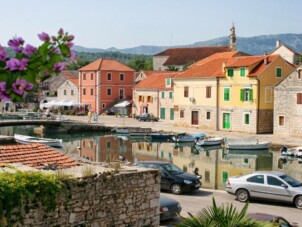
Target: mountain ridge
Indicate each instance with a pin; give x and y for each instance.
(255, 45)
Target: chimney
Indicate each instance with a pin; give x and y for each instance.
(266, 60)
(278, 43)
(223, 67)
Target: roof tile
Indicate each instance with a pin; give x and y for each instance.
(106, 64)
(156, 80)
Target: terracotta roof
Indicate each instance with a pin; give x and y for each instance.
(156, 81)
(244, 61)
(150, 72)
(260, 67)
(106, 64)
(181, 56)
(34, 155)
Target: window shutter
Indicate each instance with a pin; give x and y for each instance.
(226, 94)
(241, 95)
(251, 94)
(151, 99)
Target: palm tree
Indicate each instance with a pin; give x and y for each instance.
(224, 216)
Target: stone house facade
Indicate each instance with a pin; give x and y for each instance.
(103, 83)
(288, 105)
(69, 90)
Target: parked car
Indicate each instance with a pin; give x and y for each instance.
(275, 219)
(147, 117)
(169, 208)
(173, 178)
(266, 185)
(110, 112)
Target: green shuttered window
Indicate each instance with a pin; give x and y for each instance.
(162, 94)
(279, 72)
(226, 94)
(246, 94)
(230, 72)
(242, 72)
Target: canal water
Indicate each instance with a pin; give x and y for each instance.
(215, 163)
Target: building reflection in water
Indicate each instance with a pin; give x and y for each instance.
(215, 163)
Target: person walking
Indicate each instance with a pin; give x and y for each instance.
(89, 116)
(95, 117)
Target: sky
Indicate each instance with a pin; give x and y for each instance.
(131, 23)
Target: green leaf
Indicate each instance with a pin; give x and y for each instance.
(64, 50)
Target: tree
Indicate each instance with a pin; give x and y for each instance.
(224, 216)
(172, 68)
(140, 64)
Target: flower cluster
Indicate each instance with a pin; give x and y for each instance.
(29, 65)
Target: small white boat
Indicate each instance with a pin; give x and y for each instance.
(46, 141)
(188, 138)
(246, 144)
(209, 142)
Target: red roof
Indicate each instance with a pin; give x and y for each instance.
(156, 81)
(181, 56)
(74, 80)
(34, 155)
(106, 64)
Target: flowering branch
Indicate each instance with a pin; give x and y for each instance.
(22, 72)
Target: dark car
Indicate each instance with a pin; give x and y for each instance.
(169, 208)
(276, 219)
(147, 117)
(110, 112)
(173, 178)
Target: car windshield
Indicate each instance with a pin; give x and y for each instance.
(172, 169)
(291, 181)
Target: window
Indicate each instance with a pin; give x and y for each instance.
(225, 176)
(91, 91)
(103, 105)
(162, 113)
(299, 98)
(84, 76)
(226, 95)
(65, 92)
(170, 95)
(109, 76)
(186, 91)
(242, 72)
(230, 72)
(281, 120)
(108, 91)
(91, 76)
(140, 98)
(207, 176)
(108, 145)
(150, 99)
(300, 74)
(162, 94)
(208, 115)
(274, 181)
(84, 91)
(208, 92)
(121, 76)
(259, 179)
(168, 82)
(247, 118)
(182, 113)
(246, 94)
(278, 72)
(72, 92)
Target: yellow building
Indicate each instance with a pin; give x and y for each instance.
(246, 92)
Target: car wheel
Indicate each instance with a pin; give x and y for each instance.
(298, 202)
(242, 195)
(176, 189)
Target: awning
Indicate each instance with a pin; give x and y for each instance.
(123, 104)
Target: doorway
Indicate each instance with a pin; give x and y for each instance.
(194, 118)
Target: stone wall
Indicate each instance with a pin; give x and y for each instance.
(266, 121)
(158, 62)
(124, 199)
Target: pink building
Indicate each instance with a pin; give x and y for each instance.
(103, 83)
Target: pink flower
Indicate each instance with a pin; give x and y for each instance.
(3, 54)
(58, 67)
(15, 64)
(44, 37)
(20, 85)
(29, 50)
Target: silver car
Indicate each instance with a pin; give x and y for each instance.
(266, 185)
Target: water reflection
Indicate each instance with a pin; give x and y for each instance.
(214, 162)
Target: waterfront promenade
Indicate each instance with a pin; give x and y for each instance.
(113, 121)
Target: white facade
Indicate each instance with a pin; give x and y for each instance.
(68, 91)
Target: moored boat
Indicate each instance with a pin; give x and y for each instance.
(164, 136)
(140, 131)
(188, 138)
(30, 139)
(246, 144)
(209, 141)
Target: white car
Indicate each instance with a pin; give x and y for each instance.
(266, 185)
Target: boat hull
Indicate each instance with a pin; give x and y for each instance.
(248, 146)
(188, 138)
(48, 142)
(209, 142)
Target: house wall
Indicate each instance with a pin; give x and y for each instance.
(158, 62)
(124, 199)
(144, 106)
(68, 86)
(88, 84)
(196, 101)
(168, 104)
(287, 54)
(285, 104)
